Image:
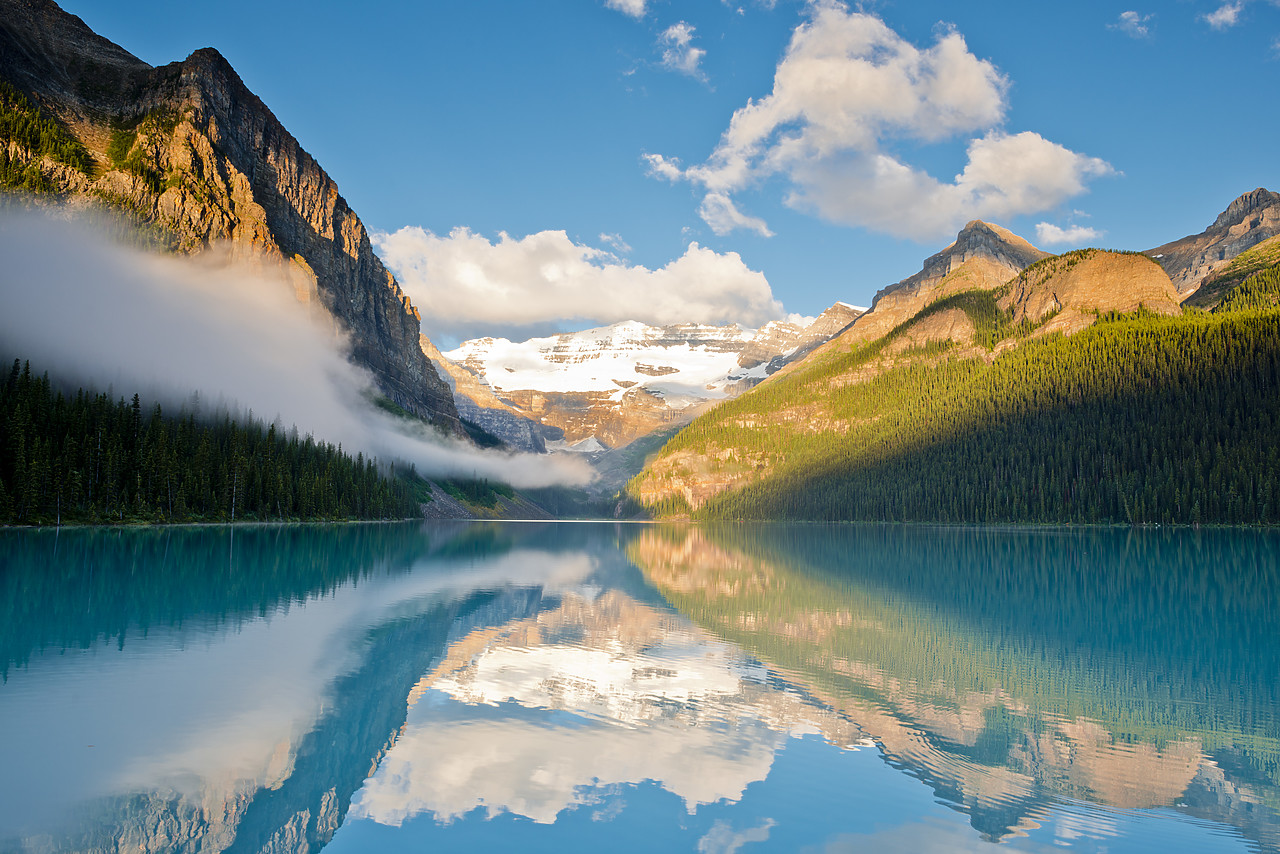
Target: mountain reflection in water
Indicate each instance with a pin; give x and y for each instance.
(574, 687)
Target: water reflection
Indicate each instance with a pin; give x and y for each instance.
(203, 690)
(582, 698)
(577, 687)
(1010, 670)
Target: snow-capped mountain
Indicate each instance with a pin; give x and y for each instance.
(690, 361)
(619, 382)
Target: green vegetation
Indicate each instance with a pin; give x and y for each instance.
(35, 136)
(128, 149)
(91, 459)
(1260, 291)
(479, 492)
(1138, 419)
(1264, 256)
(1159, 636)
(992, 324)
(482, 437)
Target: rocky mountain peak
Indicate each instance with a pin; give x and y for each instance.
(1241, 208)
(984, 239)
(209, 165)
(983, 256)
(1247, 221)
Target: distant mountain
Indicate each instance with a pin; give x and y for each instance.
(1247, 221)
(1077, 390)
(188, 153)
(477, 404)
(617, 383)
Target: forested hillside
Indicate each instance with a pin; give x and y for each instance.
(1138, 419)
(90, 458)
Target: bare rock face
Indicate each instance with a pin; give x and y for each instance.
(983, 256)
(189, 151)
(775, 337)
(477, 403)
(1075, 287)
(949, 325)
(829, 324)
(1248, 221)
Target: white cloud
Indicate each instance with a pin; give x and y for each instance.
(545, 277)
(846, 91)
(634, 8)
(719, 212)
(615, 240)
(663, 167)
(1005, 176)
(1048, 234)
(678, 52)
(235, 333)
(1225, 16)
(1133, 24)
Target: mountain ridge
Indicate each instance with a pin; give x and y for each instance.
(982, 256)
(978, 385)
(187, 149)
(1247, 221)
(625, 380)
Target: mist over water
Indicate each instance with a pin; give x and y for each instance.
(101, 315)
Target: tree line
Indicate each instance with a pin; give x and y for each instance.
(1138, 419)
(89, 458)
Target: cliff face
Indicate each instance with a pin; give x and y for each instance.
(189, 151)
(478, 404)
(1247, 221)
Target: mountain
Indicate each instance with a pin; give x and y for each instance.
(1076, 391)
(617, 383)
(477, 403)
(1068, 291)
(983, 256)
(1248, 265)
(1247, 221)
(189, 154)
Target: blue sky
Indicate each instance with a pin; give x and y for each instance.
(600, 137)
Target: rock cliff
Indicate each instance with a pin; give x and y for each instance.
(1247, 221)
(478, 404)
(189, 152)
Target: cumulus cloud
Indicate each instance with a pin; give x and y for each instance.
(1225, 16)
(846, 92)
(1048, 234)
(1133, 24)
(678, 52)
(464, 278)
(634, 8)
(93, 313)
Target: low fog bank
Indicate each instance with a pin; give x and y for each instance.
(97, 314)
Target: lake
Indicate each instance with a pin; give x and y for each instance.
(596, 686)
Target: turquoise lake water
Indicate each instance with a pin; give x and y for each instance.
(590, 687)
